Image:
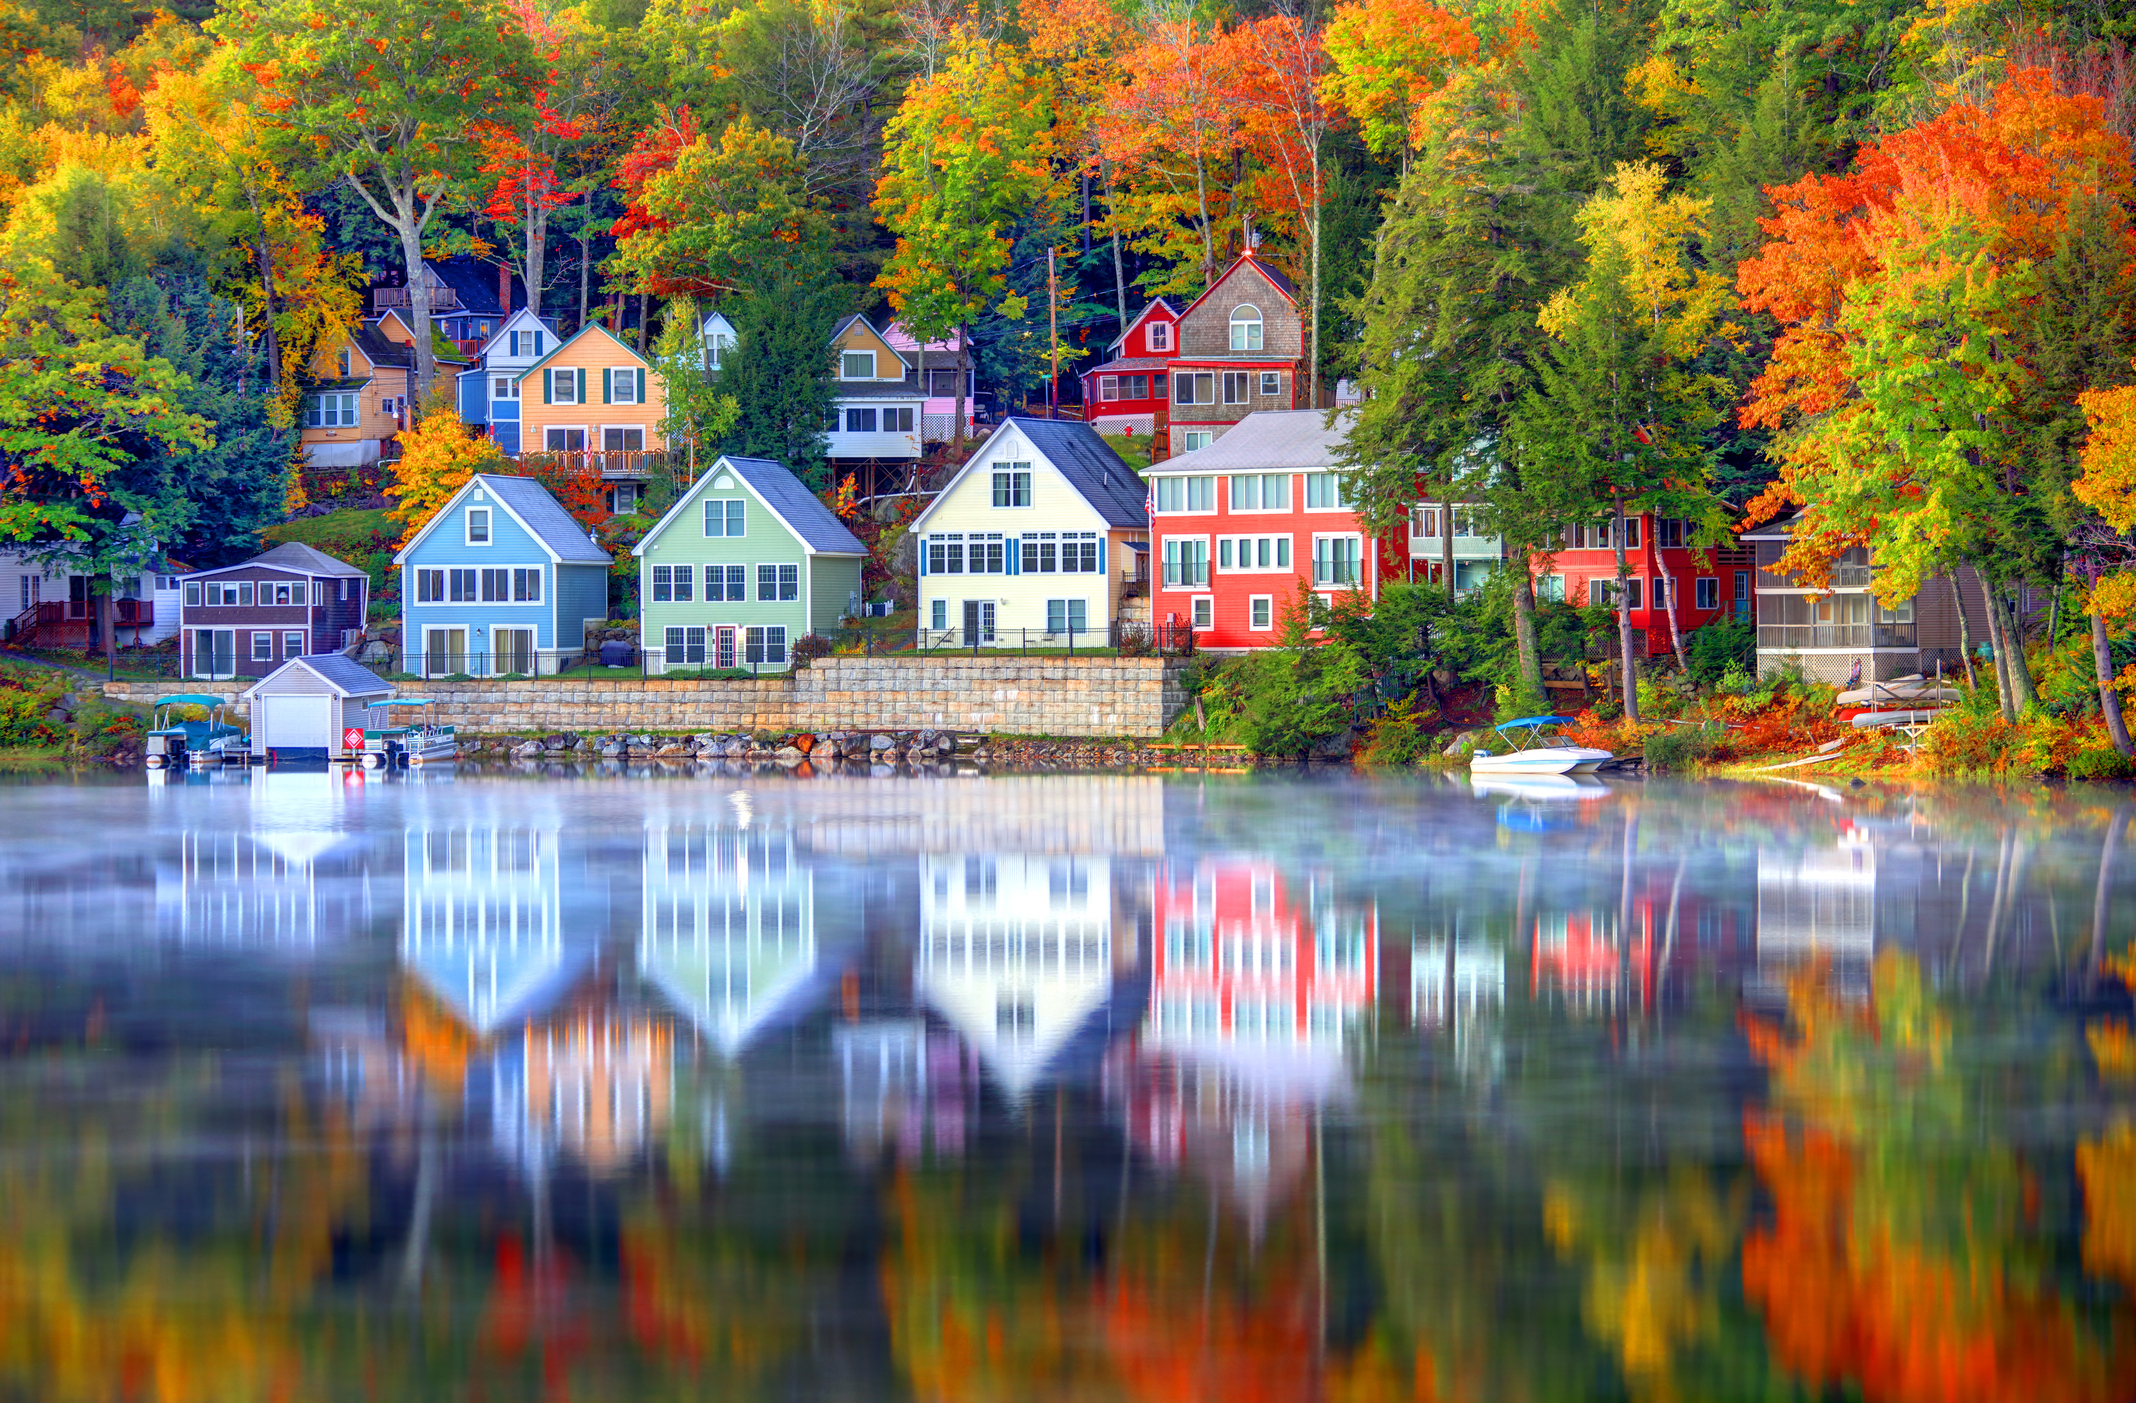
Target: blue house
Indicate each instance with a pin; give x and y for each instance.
(489, 393)
(500, 582)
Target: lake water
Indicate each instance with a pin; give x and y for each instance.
(1078, 1087)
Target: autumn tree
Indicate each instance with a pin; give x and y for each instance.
(966, 158)
(2108, 487)
(391, 98)
(438, 456)
(1389, 61)
(720, 214)
(1621, 408)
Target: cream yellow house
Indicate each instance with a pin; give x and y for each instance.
(358, 397)
(875, 412)
(1034, 541)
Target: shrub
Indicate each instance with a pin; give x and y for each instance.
(1678, 747)
(2103, 762)
(810, 647)
(1136, 641)
(22, 712)
(1398, 738)
(1720, 649)
(1968, 742)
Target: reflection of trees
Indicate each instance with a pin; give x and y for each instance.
(1904, 1257)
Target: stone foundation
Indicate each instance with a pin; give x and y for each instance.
(1130, 697)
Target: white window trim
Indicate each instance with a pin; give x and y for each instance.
(602, 433)
(1289, 493)
(630, 377)
(1363, 562)
(1270, 601)
(1208, 586)
(874, 364)
(1303, 499)
(1216, 495)
(1154, 331)
(578, 385)
(467, 526)
(1269, 569)
(1194, 609)
(1187, 434)
(585, 430)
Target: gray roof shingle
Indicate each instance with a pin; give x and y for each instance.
(1268, 439)
(1092, 468)
(550, 523)
(307, 560)
(817, 525)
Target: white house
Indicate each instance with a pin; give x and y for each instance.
(1031, 541)
(875, 414)
(489, 393)
(716, 334)
(46, 603)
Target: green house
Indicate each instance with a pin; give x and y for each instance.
(743, 567)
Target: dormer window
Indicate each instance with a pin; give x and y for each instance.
(1160, 334)
(1246, 328)
(856, 365)
(342, 361)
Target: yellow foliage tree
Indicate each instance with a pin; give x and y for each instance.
(438, 456)
(2108, 487)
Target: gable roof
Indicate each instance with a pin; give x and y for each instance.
(785, 496)
(704, 323)
(381, 350)
(336, 671)
(1088, 464)
(295, 557)
(587, 330)
(1278, 439)
(1137, 320)
(521, 320)
(529, 504)
(1267, 270)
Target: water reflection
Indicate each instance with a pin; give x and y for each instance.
(1092, 1087)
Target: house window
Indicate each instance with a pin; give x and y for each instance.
(263, 647)
(945, 554)
(1706, 592)
(462, 586)
(1204, 611)
(622, 497)
(776, 582)
(1196, 438)
(673, 583)
(1254, 553)
(723, 516)
(244, 594)
(1079, 552)
(1259, 610)
(336, 411)
(478, 526)
(1246, 328)
(29, 592)
(1271, 384)
(623, 385)
(526, 586)
(1598, 593)
(1550, 588)
(564, 387)
(1186, 563)
(1325, 491)
(717, 344)
(341, 362)
(1108, 387)
(292, 645)
(897, 419)
(1066, 616)
(566, 440)
(986, 555)
(1186, 494)
(726, 582)
(1337, 560)
(1160, 334)
(860, 421)
(1194, 387)
(1668, 532)
(623, 440)
(938, 615)
(1041, 553)
(497, 586)
(430, 586)
(1632, 592)
(1236, 383)
(684, 645)
(1012, 488)
(856, 365)
(1260, 491)
(765, 645)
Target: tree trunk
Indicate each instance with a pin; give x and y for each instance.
(426, 364)
(536, 270)
(1965, 632)
(1312, 368)
(263, 255)
(2117, 727)
(585, 260)
(964, 360)
(1666, 582)
(1119, 274)
(1629, 667)
(110, 617)
(2002, 655)
(645, 319)
(2024, 696)
(1531, 659)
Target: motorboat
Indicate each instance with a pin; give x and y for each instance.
(1537, 748)
(417, 742)
(178, 744)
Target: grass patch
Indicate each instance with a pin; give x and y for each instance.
(1134, 449)
(359, 537)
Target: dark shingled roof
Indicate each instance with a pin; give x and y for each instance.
(1092, 468)
(298, 559)
(1128, 363)
(816, 524)
(476, 284)
(550, 523)
(1268, 270)
(338, 671)
(380, 350)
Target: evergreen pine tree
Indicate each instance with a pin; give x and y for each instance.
(779, 372)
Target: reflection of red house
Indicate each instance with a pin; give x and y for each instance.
(1709, 586)
(1577, 954)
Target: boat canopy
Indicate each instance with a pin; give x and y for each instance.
(1533, 721)
(193, 699)
(401, 701)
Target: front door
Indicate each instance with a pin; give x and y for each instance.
(444, 651)
(515, 650)
(978, 621)
(723, 647)
(77, 596)
(215, 652)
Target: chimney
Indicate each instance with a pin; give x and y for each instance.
(504, 287)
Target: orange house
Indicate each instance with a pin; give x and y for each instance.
(358, 399)
(593, 393)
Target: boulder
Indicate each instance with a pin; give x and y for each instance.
(803, 744)
(1335, 747)
(1461, 747)
(557, 742)
(735, 749)
(945, 743)
(789, 752)
(673, 750)
(529, 751)
(889, 757)
(881, 743)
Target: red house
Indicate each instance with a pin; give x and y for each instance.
(1127, 394)
(1709, 585)
(1236, 526)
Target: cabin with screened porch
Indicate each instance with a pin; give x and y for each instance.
(245, 620)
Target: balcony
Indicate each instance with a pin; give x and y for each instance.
(1783, 638)
(390, 299)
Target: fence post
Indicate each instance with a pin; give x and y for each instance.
(1071, 640)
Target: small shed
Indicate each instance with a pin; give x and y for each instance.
(302, 709)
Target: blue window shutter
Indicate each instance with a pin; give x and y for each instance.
(923, 555)
(537, 343)
(641, 385)
(1015, 555)
(545, 386)
(1101, 555)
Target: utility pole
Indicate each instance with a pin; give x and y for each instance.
(1053, 335)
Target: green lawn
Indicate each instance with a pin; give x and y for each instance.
(362, 538)
(1134, 449)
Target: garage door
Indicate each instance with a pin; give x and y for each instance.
(298, 724)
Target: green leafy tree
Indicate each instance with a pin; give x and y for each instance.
(779, 372)
(391, 99)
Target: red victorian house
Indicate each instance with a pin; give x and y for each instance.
(1709, 585)
(1236, 526)
(1128, 393)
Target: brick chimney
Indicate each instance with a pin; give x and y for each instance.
(504, 287)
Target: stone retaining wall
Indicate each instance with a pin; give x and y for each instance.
(1001, 694)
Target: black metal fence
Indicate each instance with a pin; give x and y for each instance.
(391, 662)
